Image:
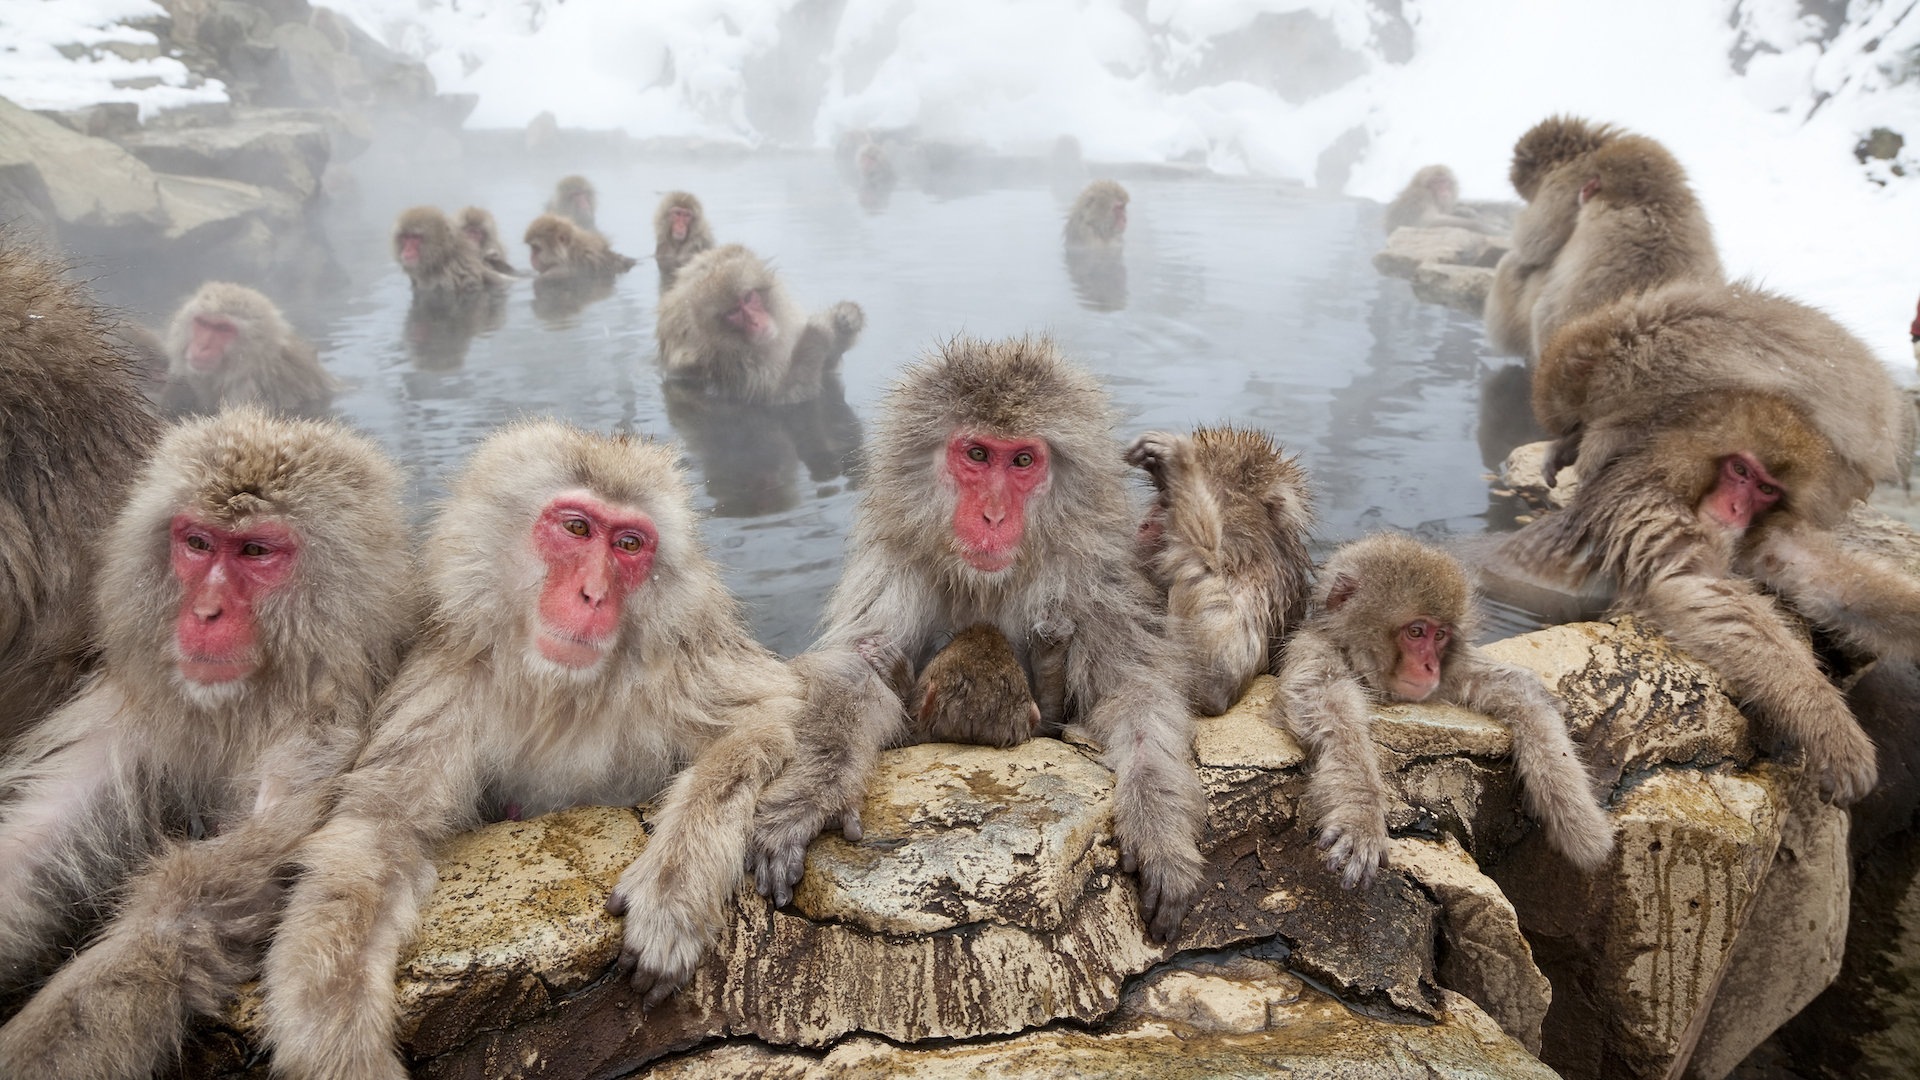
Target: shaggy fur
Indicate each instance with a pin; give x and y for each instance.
(698, 344)
(73, 430)
(563, 250)
(972, 691)
(1096, 219)
(479, 725)
(106, 796)
(450, 266)
(477, 225)
(671, 254)
(1226, 539)
(1432, 200)
(575, 200)
(266, 365)
(1075, 571)
(1335, 671)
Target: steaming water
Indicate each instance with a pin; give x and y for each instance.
(1248, 302)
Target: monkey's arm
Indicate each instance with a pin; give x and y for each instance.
(1870, 603)
(673, 895)
(1325, 706)
(1558, 788)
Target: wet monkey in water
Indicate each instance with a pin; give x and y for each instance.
(229, 345)
(76, 429)
(575, 200)
(997, 493)
(254, 595)
(728, 325)
(1226, 539)
(440, 262)
(560, 249)
(1391, 621)
(1722, 433)
(680, 232)
(477, 225)
(583, 650)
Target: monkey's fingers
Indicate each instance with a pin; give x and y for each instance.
(849, 827)
(616, 903)
(1150, 452)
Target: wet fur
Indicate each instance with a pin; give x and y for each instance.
(450, 265)
(267, 363)
(669, 254)
(492, 251)
(698, 344)
(1090, 222)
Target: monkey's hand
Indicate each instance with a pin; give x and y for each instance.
(1168, 887)
(663, 939)
(1153, 452)
(1356, 846)
(778, 853)
(887, 660)
(1055, 629)
(1564, 452)
(1842, 757)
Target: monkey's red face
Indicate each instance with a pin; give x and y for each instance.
(682, 221)
(224, 575)
(1742, 493)
(596, 556)
(544, 256)
(751, 318)
(993, 479)
(409, 244)
(1119, 217)
(1421, 643)
(582, 203)
(476, 234)
(211, 336)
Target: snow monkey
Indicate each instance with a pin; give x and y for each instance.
(1432, 200)
(974, 690)
(1722, 433)
(441, 262)
(75, 429)
(582, 649)
(229, 345)
(729, 325)
(996, 493)
(253, 596)
(1099, 216)
(476, 224)
(1391, 621)
(575, 200)
(561, 249)
(1608, 215)
(1225, 537)
(679, 233)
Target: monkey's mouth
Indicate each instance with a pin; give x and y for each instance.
(988, 562)
(569, 651)
(1411, 692)
(211, 671)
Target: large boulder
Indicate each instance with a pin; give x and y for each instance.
(285, 154)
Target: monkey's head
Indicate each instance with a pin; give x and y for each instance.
(559, 547)
(734, 294)
(577, 195)
(1439, 182)
(1102, 209)
(1744, 458)
(245, 557)
(1550, 144)
(218, 317)
(677, 218)
(1634, 170)
(1400, 607)
(422, 240)
(1249, 470)
(550, 242)
(477, 225)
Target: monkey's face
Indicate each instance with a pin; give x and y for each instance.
(682, 219)
(750, 317)
(477, 234)
(225, 574)
(582, 201)
(209, 338)
(1119, 216)
(406, 248)
(1442, 189)
(992, 480)
(1421, 645)
(545, 254)
(1742, 492)
(596, 555)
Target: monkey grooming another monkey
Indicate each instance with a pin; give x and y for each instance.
(1609, 215)
(583, 649)
(1722, 433)
(575, 200)
(253, 596)
(1226, 539)
(729, 325)
(229, 345)
(996, 493)
(476, 224)
(1391, 621)
(679, 233)
(1432, 200)
(74, 431)
(442, 264)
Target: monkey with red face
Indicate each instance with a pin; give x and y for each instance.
(229, 345)
(680, 232)
(1392, 622)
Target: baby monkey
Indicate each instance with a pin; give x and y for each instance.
(1391, 622)
(972, 691)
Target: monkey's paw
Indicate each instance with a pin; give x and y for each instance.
(848, 319)
(1355, 850)
(778, 857)
(1054, 629)
(1168, 887)
(1843, 759)
(880, 653)
(1152, 452)
(657, 954)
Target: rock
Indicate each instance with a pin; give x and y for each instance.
(90, 183)
(107, 120)
(1463, 288)
(1409, 248)
(1524, 471)
(284, 154)
(306, 69)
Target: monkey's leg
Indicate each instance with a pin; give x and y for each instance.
(1325, 707)
(1870, 603)
(179, 947)
(1159, 806)
(1557, 787)
(1047, 655)
(851, 713)
(1740, 634)
(674, 893)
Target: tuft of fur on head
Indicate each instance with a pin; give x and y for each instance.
(1091, 221)
(480, 219)
(437, 236)
(1637, 171)
(1370, 588)
(1254, 477)
(1550, 144)
(554, 231)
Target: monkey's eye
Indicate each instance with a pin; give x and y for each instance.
(1022, 459)
(1739, 468)
(1439, 637)
(976, 453)
(1416, 631)
(575, 526)
(629, 543)
(199, 543)
(252, 550)
(1768, 489)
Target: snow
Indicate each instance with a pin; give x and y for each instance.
(1761, 102)
(34, 74)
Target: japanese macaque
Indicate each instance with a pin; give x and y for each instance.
(1098, 218)
(1432, 200)
(1225, 537)
(1722, 432)
(75, 428)
(229, 345)
(477, 225)
(1608, 215)
(440, 261)
(560, 249)
(575, 200)
(679, 233)
(728, 325)
(996, 493)
(583, 649)
(1391, 622)
(253, 596)
(972, 691)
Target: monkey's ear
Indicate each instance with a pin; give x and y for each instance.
(1343, 589)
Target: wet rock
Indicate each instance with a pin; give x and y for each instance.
(1524, 471)
(1410, 248)
(284, 154)
(89, 183)
(1463, 288)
